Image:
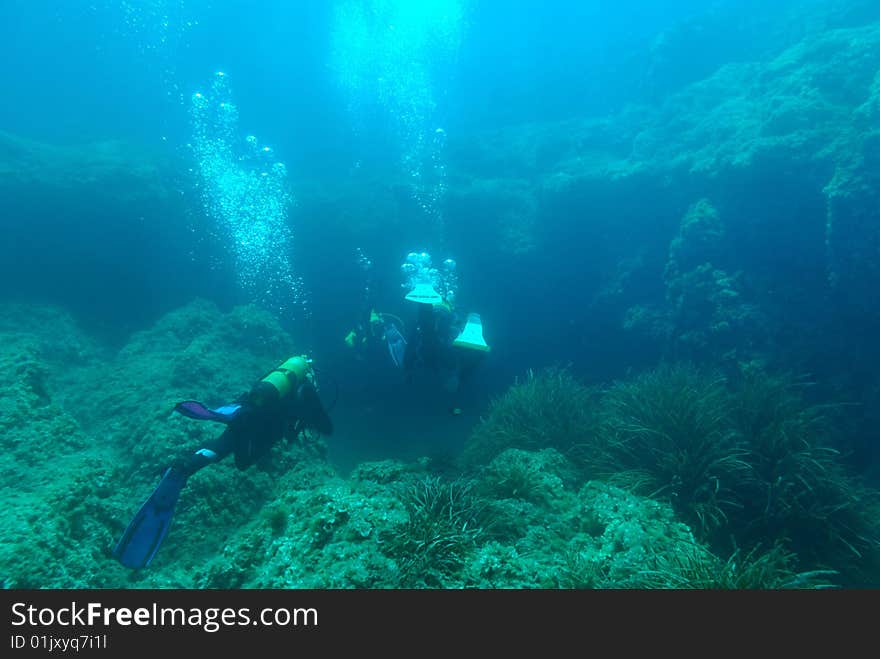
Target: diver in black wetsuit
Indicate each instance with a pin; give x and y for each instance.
(429, 345)
(442, 342)
(375, 331)
(437, 344)
(283, 403)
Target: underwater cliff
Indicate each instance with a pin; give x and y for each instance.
(680, 286)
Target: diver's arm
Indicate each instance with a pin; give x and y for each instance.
(307, 411)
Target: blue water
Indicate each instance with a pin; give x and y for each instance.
(77, 74)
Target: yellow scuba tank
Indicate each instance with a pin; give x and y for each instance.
(282, 380)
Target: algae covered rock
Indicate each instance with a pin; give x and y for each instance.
(539, 477)
(615, 535)
(52, 473)
(86, 434)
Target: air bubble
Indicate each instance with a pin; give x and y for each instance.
(247, 195)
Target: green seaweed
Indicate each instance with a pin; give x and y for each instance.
(442, 528)
(548, 409)
(667, 433)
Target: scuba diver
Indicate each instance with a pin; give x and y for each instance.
(375, 330)
(283, 403)
(442, 341)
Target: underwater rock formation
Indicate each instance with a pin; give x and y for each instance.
(782, 143)
(110, 169)
(81, 452)
(703, 317)
(86, 433)
(89, 222)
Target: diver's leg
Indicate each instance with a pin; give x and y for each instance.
(261, 434)
(211, 452)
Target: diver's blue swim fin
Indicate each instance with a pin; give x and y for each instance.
(147, 530)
